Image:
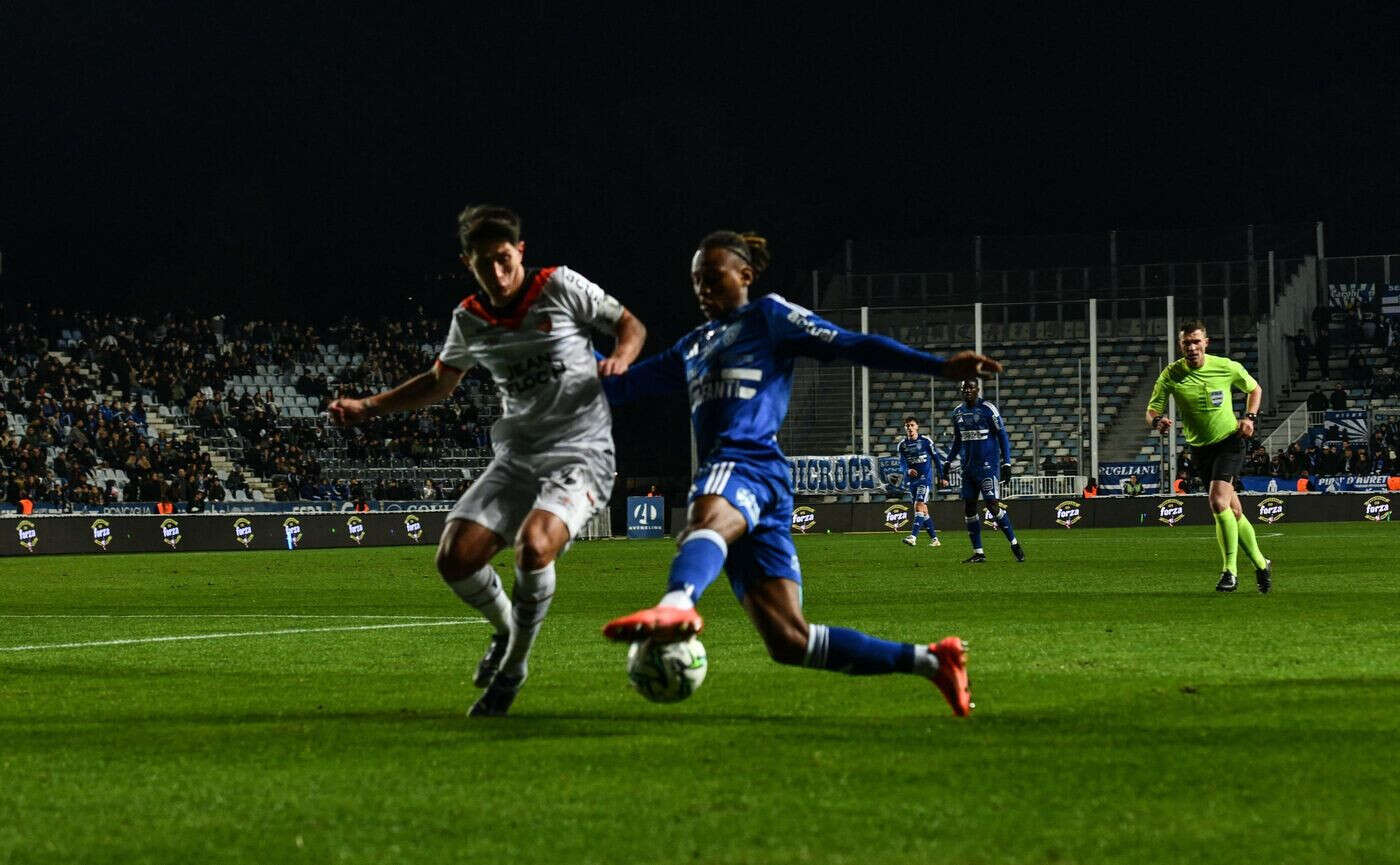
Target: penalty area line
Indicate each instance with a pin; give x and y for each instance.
(233, 634)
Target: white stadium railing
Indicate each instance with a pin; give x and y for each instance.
(1027, 486)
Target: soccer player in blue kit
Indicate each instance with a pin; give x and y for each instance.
(920, 463)
(980, 442)
(737, 369)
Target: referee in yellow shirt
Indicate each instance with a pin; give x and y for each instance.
(1202, 385)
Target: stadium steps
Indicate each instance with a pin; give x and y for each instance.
(165, 429)
(1123, 439)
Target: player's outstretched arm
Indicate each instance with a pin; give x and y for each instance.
(423, 389)
(631, 335)
(969, 364)
(658, 375)
(800, 331)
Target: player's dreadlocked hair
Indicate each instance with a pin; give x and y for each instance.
(487, 222)
(752, 248)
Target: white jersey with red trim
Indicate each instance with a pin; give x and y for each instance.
(540, 354)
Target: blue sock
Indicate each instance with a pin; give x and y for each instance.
(974, 531)
(919, 520)
(1004, 523)
(928, 524)
(848, 651)
(697, 563)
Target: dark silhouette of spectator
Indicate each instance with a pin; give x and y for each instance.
(1317, 400)
(1302, 352)
(1357, 371)
(1338, 400)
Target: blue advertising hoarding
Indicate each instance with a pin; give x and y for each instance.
(1112, 475)
(646, 516)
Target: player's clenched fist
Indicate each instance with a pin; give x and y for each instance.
(348, 412)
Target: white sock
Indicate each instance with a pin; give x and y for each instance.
(678, 598)
(533, 592)
(482, 590)
(925, 662)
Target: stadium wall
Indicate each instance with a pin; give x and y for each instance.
(42, 534)
(1098, 513)
(116, 533)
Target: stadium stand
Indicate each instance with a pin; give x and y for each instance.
(102, 407)
(191, 409)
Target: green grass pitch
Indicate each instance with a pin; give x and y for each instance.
(1125, 711)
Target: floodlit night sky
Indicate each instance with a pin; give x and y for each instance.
(303, 164)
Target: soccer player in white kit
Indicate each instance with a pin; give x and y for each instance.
(553, 465)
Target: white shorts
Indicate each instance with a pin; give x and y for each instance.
(572, 486)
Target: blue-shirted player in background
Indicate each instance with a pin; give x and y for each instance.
(920, 462)
(737, 368)
(981, 444)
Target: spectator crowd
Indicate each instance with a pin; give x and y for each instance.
(77, 432)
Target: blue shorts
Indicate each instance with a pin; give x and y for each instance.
(982, 484)
(918, 491)
(763, 494)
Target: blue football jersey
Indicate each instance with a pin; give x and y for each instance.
(979, 439)
(919, 453)
(738, 372)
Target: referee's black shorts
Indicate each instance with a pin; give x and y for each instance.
(1220, 461)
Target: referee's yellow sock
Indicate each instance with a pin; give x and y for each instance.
(1251, 546)
(1227, 534)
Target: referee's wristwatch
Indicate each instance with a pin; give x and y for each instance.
(1251, 416)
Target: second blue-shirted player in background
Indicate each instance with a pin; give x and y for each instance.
(920, 463)
(980, 443)
(737, 369)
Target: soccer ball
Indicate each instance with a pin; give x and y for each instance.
(666, 672)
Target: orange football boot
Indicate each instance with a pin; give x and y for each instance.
(951, 677)
(660, 624)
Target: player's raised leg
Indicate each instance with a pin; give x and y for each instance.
(701, 551)
(774, 605)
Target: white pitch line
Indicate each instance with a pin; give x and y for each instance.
(223, 616)
(223, 636)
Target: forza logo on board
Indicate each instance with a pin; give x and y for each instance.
(101, 533)
(896, 517)
(1171, 512)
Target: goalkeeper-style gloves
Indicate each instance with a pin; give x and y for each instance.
(1006, 473)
